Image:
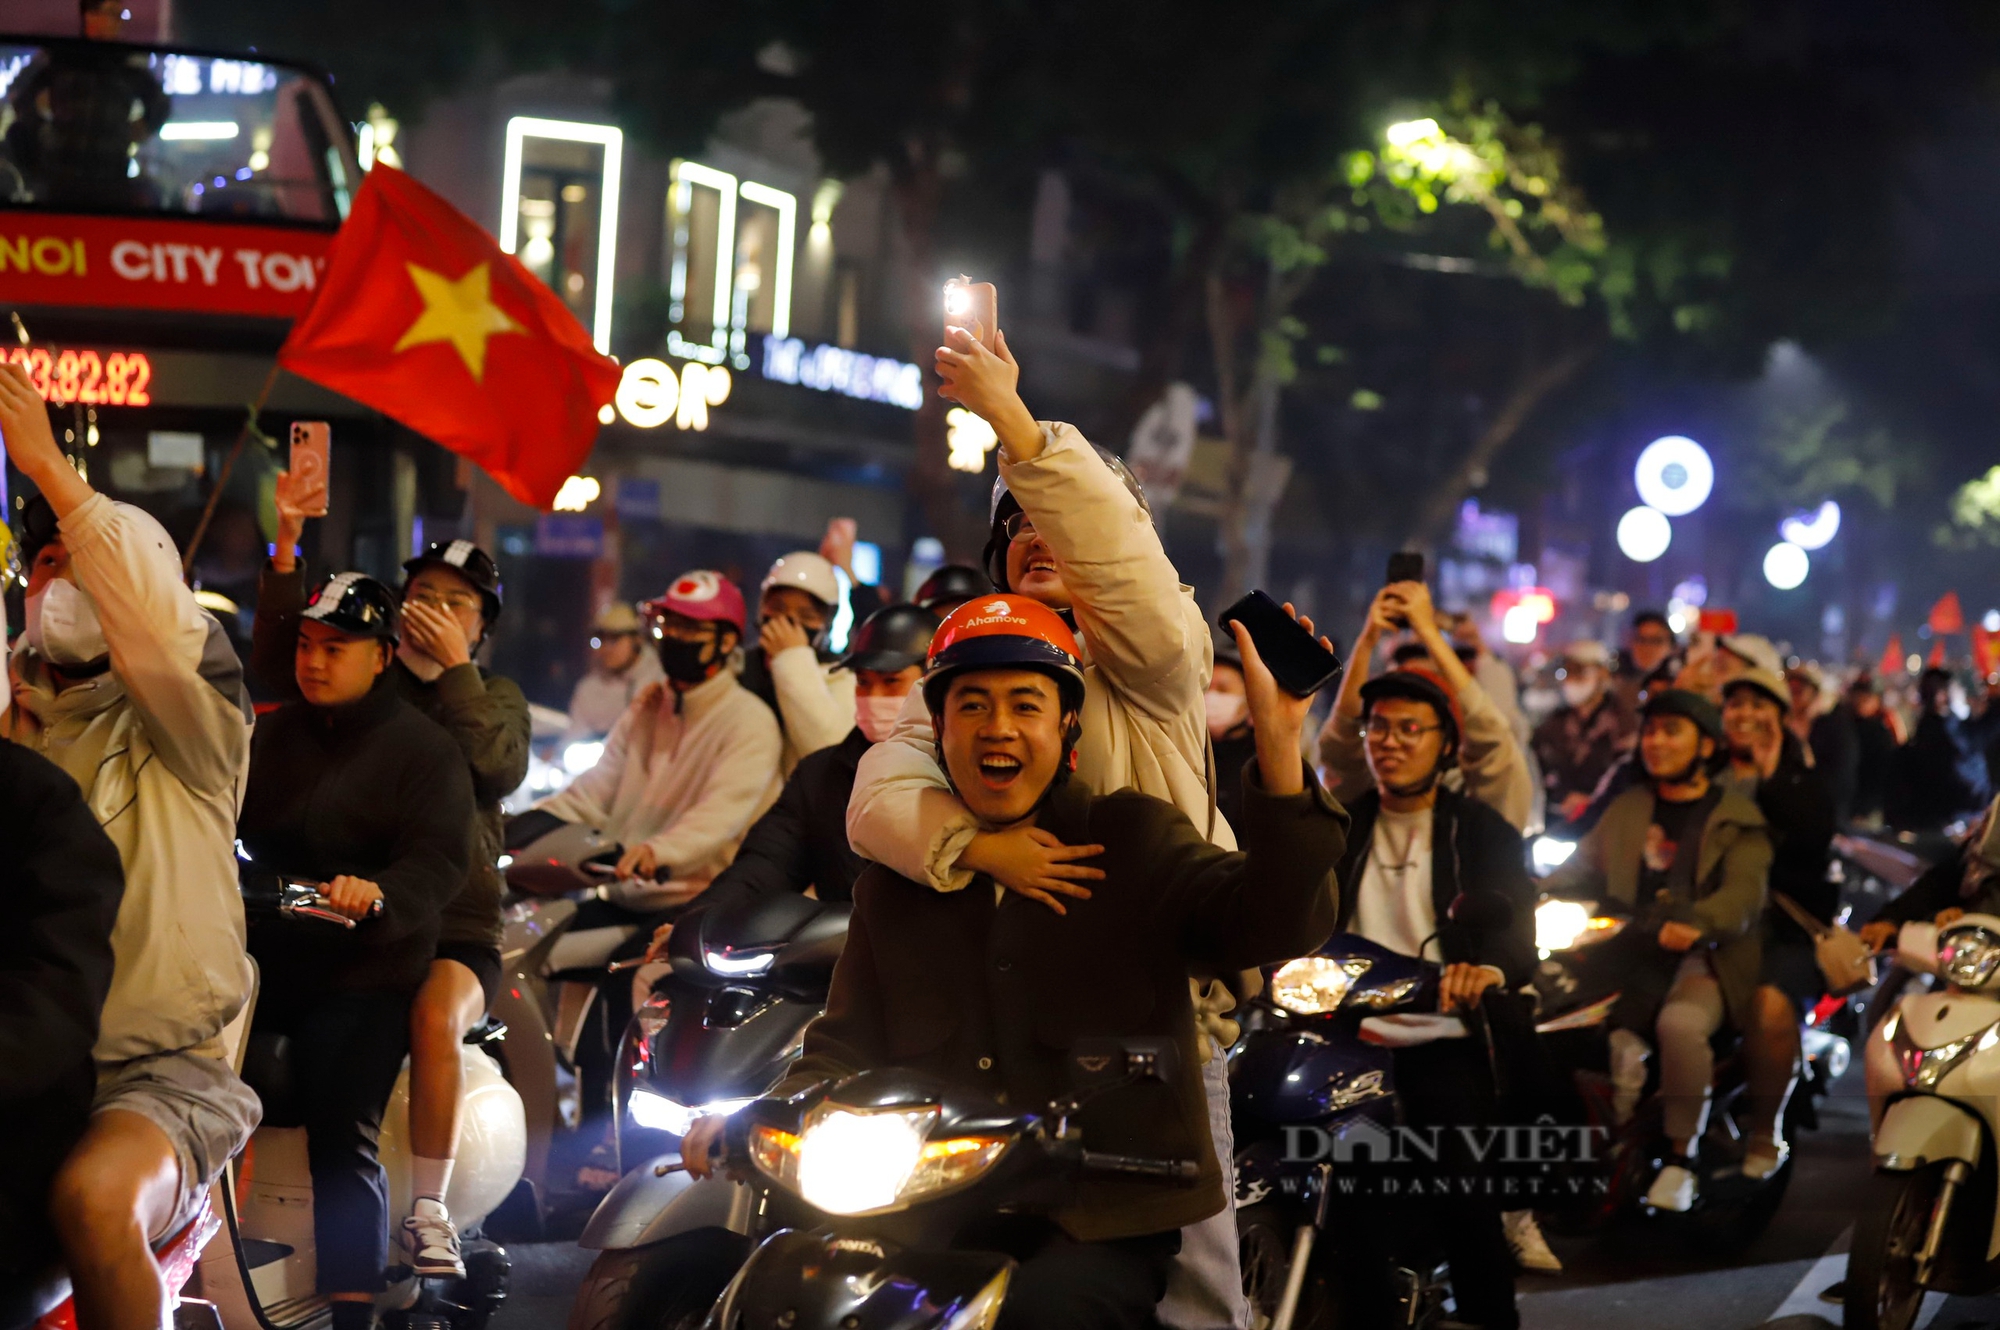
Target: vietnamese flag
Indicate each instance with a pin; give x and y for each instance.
(423, 317)
(1947, 616)
(1936, 660)
(1985, 651)
(1892, 657)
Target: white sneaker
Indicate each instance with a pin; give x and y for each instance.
(431, 1242)
(1672, 1190)
(1764, 1158)
(1531, 1249)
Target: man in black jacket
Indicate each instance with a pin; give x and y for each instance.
(986, 989)
(451, 597)
(354, 788)
(1415, 850)
(60, 883)
(1767, 762)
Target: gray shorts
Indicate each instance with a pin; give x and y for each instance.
(204, 1108)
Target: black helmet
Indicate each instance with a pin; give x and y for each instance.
(1420, 684)
(954, 582)
(37, 527)
(1005, 505)
(355, 603)
(469, 562)
(891, 639)
(1682, 702)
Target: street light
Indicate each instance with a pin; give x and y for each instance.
(1674, 475)
(1786, 565)
(1644, 534)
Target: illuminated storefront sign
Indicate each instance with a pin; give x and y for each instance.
(651, 394)
(141, 263)
(743, 285)
(833, 369)
(86, 375)
(559, 180)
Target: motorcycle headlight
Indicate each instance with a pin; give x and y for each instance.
(1315, 985)
(853, 1163)
(1969, 958)
(1561, 925)
(1548, 854)
(656, 1112)
(740, 964)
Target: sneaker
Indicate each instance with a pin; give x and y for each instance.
(1531, 1249)
(431, 1241)
(1673, 1189)
(1764, 1157)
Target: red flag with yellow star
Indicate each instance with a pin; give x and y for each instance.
(423, 317)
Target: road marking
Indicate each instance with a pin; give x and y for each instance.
(1804, 1300)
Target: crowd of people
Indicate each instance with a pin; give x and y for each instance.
(1046, 770)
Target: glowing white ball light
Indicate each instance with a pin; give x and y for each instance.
(1786, 565)
(1674, 475)
(1812, 531)
(1644, 534)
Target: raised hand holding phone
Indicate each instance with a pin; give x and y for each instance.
(984, 383)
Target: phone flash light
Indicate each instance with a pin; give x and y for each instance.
(957, 300)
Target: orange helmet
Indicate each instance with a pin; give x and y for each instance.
(1004, 632)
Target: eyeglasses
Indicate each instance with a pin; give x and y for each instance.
(1018, 527)
(1381, 729)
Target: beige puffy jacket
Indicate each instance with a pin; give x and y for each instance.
(815, 702)
(1147, 661)
(159, 745)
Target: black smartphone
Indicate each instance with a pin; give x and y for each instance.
(1297, 660)
(1404, 566)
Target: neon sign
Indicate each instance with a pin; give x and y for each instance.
(85, 375)
(832, 369)
(650, 394)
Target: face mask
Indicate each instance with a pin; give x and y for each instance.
(1225, 711)
(683, 661)
(1578, 693)
(877, 716)
(63, 625)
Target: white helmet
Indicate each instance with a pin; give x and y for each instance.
(806, 571)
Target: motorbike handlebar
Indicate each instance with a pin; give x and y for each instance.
(1181, 1172)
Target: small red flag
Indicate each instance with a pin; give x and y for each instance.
(1946, 615)
(423, 317)
(1892, 657)
(1936, 660)
(1985, 650)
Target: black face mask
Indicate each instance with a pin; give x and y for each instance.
(687, 662)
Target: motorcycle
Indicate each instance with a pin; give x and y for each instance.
(1578, 983)
(1931, 1221)
(246, 1260)
(1305, 1066)
(718, 1032)
(861, 1184)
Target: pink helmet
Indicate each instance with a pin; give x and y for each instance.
(702, 595)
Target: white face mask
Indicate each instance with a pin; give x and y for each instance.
(63, 626)
(1225, 711)
(877, 716)
(1578, 693)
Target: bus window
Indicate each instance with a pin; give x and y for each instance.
(109, 128)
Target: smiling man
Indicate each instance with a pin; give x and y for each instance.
(967, 985)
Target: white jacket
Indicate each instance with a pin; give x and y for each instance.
(685, 774)
(815, 701)
(600, 697)
(159, 745)
(1147, 661)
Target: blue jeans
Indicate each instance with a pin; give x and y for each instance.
(1205, 1291)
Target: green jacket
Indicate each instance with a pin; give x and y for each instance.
(1730, 881)
(485, 714)
(992, 994)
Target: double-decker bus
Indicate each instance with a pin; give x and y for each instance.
(165, 214)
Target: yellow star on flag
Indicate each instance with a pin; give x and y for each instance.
(461, 312)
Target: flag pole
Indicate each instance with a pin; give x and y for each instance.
(228, 465)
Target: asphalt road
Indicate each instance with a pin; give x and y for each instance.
(1641, 1275)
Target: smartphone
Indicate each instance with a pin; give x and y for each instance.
(1300, 664)
(312, 441)
(972, 306)
(1404, 566)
